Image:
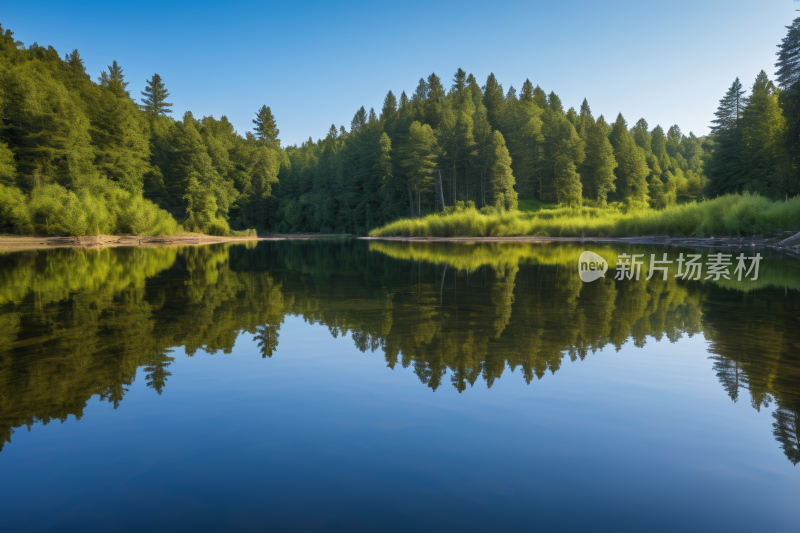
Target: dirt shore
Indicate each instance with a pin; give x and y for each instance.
(13, 243)
(786, 242)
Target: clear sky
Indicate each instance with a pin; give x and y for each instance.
(316, 63)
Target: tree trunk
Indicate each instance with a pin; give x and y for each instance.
(410, 202)
(440, 190)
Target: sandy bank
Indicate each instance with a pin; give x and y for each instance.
(12, 243)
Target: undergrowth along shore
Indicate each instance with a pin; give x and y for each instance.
(745, 214)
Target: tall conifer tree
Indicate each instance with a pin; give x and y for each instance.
(155, 97)
(266, 129)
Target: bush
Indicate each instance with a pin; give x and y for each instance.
(745, 214)
(97, 206)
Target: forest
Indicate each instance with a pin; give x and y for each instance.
(80, 156)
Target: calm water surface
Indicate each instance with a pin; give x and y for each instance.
(390, 386)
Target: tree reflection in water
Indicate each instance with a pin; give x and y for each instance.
(78, 323)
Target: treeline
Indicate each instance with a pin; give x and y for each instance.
(81, 157)
(757, 135)
(484, 145)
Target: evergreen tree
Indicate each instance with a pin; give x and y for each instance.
(564, 153)
(421, 92)
(730, 108)
(155, 97)
(786, 430)
(526, 94)
(618, 130)
(763, 133)
(788, 53)
(632, 170)
(641, 136)
(459, 80)
(499, 177)
(358, 122)
(389, 111)
(265, 127)
(494, 101)
(75, 62)
(788, 74)
(419, 159)
(597, 171)
(114, 79)
(585, 119)
(267, 337)
(388, 185)
(540, 97)
(554, 102)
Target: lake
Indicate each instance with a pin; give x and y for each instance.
(346, 384)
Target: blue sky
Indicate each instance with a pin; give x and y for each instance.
(316, 63)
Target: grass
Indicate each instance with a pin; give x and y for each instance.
(729, 215)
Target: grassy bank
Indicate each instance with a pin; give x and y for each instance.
(746, 214)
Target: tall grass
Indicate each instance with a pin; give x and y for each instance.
(729, 215)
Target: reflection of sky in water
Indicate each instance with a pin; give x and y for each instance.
(323, 435)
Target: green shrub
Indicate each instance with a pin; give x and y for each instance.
(745, 214)
(97, 206)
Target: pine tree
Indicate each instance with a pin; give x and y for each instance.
(564, 153)
(674, 138)
(419, 160)
(540, 97)
(641, 136)
(421, 92)
(266, 129)
(597, 171)
(359, 120)
(459, 80)
(499, 177)
(786, 430)
(788, 53)
(389, 109)
(267, 337)
(75, 61)
(554, 102)
(585, 119)
(155, 97)
(403, 101)
(631, 171)
(526, 93)
(730, 109)
(494, 101)
(763, 130)
(114, 79)
(618, 130)
(788, 74)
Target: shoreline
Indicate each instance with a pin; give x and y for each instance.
(21, 243)
(14, 243)
(786, 242)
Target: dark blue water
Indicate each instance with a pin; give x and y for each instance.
(328, 386)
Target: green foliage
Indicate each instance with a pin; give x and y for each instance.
(443, 145)
(501, 181)
(266, 130)
(155, 97)
(727, 215)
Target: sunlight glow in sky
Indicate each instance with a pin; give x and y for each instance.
(316, 63)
